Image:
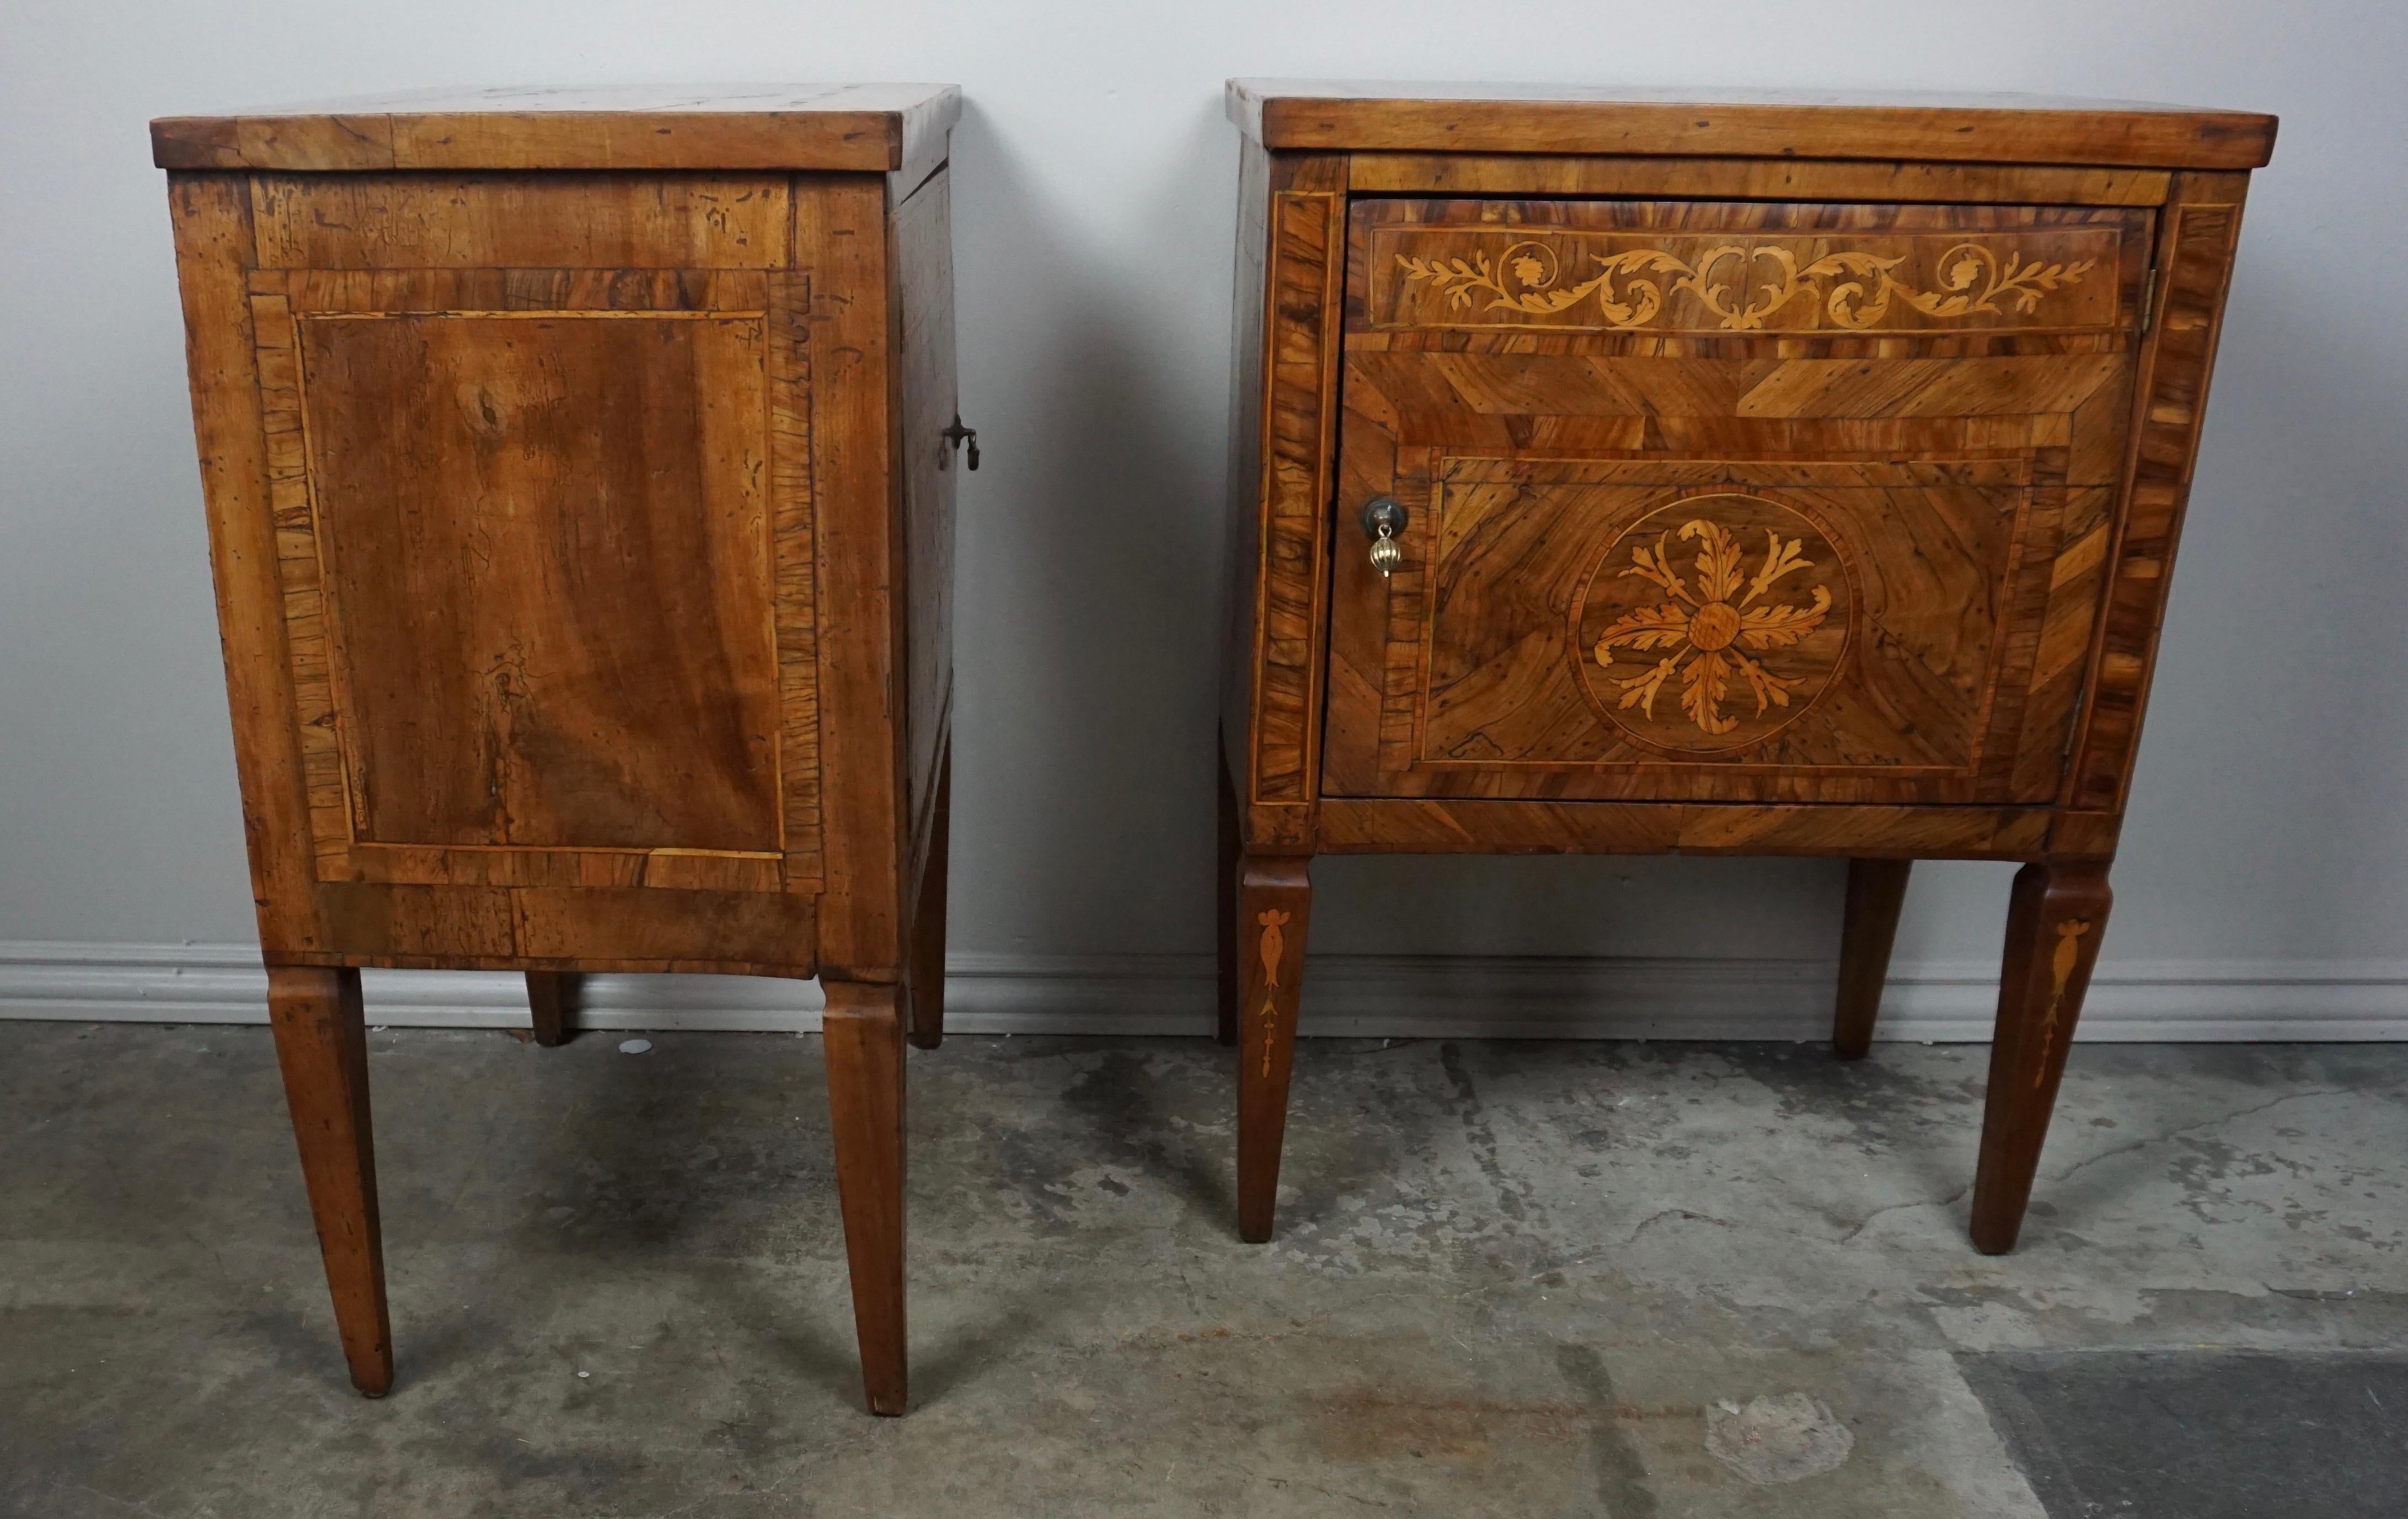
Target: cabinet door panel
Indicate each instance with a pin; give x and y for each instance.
(1690, 520)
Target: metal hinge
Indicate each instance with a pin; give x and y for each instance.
(2149, 300)
(955, 438)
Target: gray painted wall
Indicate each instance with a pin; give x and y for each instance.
(1095, 189)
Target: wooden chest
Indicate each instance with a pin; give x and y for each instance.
(1629, 474)
(579, 471)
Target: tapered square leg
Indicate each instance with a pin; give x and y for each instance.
(864, 1040)
(322, 1048)
(926, 985)
(2053, 922)
(1224, 898)
(1274, 900)
(552, 1000)
(1876, 891)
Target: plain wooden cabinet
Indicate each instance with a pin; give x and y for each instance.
(1636, 475)
(579, 470)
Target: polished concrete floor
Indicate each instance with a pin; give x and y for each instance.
(1631, 1280)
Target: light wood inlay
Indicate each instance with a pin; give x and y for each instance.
(1273, 950)
(1728, 287)
(1716, 620)
(1770, 476)
(1704, 266)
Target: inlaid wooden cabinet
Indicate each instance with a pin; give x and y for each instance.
(1637, 475)
(580, 473)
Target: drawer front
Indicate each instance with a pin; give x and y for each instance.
(1726, 502)
(545, 539)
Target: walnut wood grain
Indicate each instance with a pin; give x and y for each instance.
(925, 988)
(322, 1049)
(1334, 116)
(2203, 231)
(631, 930)
(626, 222)
(2056, 918)
(864, 1040)
(451, 291)
(931, 471)
(1920, 378)
(1909, 681)
(1946, 671)
(1301, 312)
(1243, 566)
(1876, 893)
(2074, 836)
(1274, 900)
(211, 218)
(553, 1003)
(1740, 178)
(582, 543)
(860, 127)
(841, 238)
(503, 518)
(794, 614)
(560, 580)
(1460, 825)
(1229, 984)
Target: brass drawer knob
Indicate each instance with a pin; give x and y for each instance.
(1384, 518)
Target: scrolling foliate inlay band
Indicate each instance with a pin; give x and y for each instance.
(1578, 281)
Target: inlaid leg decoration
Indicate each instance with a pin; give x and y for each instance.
(1274, 900)
(1226, 905)
(322, 1048)
(2054, 923)
(864, 1043)
(927, 982)
(552, 997)
(1876, 890)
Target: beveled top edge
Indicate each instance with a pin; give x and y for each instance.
(1340, 116)
(859, 127)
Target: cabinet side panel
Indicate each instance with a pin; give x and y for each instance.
(841, 245)
(545, 553)
(924, 271)
(2201, 233)
(211, 213)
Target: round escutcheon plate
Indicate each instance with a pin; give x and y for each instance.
(1712, 623)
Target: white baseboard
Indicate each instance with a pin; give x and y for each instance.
(1379, 995)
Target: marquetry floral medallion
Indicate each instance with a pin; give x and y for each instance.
(1741, 287)
(1713, 623)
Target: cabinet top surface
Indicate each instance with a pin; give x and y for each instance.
(1344, 116)
(848, 127)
